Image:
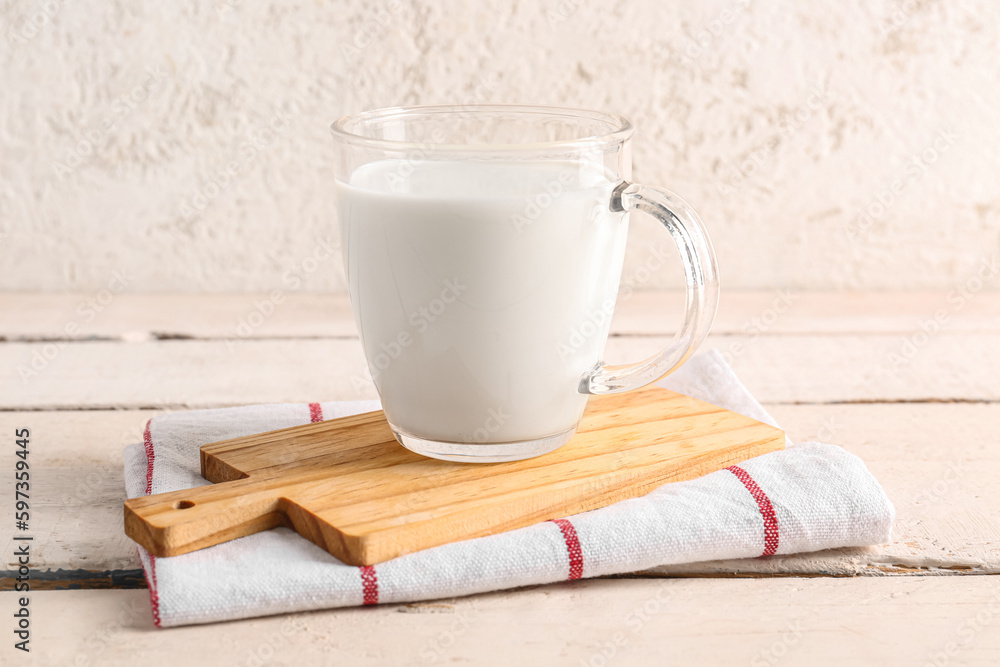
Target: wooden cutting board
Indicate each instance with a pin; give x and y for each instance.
(349, 487)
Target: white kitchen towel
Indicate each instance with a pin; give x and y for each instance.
(808, 497)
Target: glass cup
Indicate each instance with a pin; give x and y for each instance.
(483, 247)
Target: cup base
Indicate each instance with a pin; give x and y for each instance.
(491, 452)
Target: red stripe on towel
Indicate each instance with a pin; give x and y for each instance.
(315, 412)
(766, 509)
(369, 583)
(147, 442)
(154, 597)
(572, 546)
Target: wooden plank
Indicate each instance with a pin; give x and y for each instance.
(77, 488)
(165, 374)
(77, 439)
(76, 521)
(347, 486)
(937, 462)
(872, 621)
(181, 374)
(784, 311)
(837, 313)
(851, 368)
(132, 317)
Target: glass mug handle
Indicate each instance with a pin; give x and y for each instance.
(702, 298)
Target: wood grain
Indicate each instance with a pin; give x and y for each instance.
(350, 488)
(136, 317)
(194, 374)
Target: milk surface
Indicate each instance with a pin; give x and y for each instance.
(483, 291)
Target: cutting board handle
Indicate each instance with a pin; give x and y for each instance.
(348, 487)
(174, 523)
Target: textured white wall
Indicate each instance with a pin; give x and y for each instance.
(779, 120)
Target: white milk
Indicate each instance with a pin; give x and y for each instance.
(483, 291)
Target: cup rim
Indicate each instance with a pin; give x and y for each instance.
(341, 129)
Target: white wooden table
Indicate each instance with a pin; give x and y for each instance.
(921, 406)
